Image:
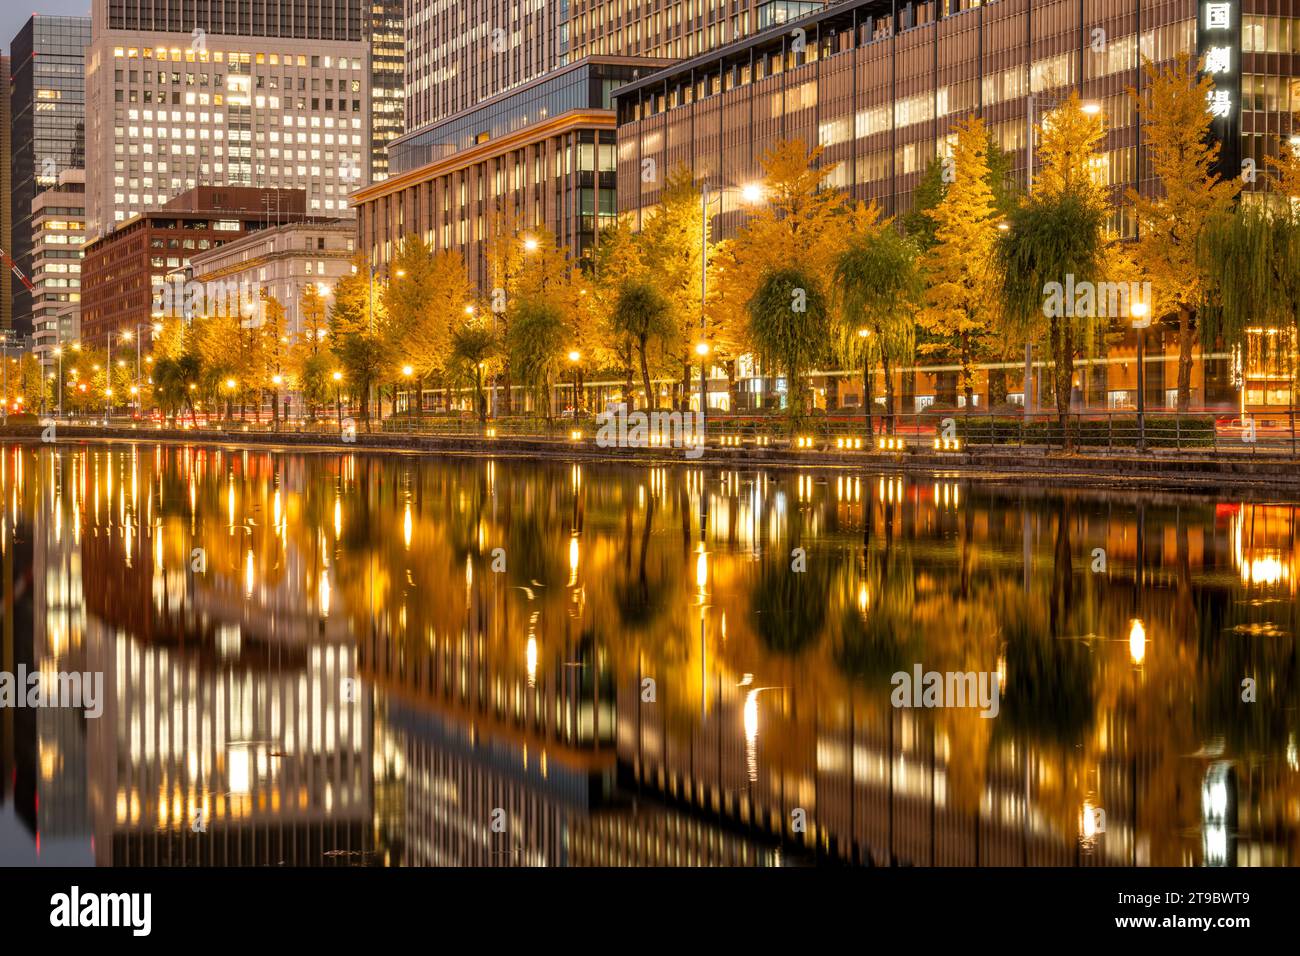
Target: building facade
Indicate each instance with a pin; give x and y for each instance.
(125, 273)
(541, 156)
(281, 260)
(387, 34)
(879, 86)
(6, 204)
(259, 95)
(48, 117)
(58, 233)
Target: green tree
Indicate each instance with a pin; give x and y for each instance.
(536, 344)
(1049, 237)
(790, 325)
(644, 316)
(879, 283)
(473, 347)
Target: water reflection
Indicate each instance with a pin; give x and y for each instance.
(327, 659)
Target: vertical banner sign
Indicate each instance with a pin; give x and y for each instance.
(1218, 44)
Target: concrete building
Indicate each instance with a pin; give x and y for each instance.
(125, 273)
(48, 109)
(58, 233)
(282, 260)
(259, 95)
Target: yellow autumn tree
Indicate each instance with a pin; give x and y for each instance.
(1175, 128)
(799, 219)
(1069, 138)
(959, 305)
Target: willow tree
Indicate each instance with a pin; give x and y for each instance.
(879, 285)
(1249, 257)
(789, 323)
(1049, 237)
(473, 346)
(535, 342)
(644, 316)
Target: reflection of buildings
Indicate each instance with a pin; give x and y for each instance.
(234, 730)
(521, 691)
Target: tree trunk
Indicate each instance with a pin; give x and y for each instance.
(1063, 358)
(1184, 360)
(650, 400)
(968, 377)
(888, 427)
(866, 397)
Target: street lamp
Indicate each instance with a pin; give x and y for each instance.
(1141, 315)
(574, 358)
(407, 372)
(230, 387)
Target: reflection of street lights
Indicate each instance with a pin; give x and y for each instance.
(1137, 640)
(702, 350)
(1141, 315)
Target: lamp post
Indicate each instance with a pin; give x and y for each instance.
(1141, 315)
(276, 380)
(574, 358)
(230, 389)
(407, 372)
(338, 402)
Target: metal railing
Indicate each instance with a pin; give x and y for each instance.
(1090, 432)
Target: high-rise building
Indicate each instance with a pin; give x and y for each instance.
(225, 93)
(58, 232)
(386, 32)
(6, 203)
(48, 115)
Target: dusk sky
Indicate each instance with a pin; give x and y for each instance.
(12, 18)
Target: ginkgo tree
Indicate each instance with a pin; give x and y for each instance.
(959, 305)
(1175, 119)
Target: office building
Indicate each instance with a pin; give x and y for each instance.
(386, 33)
(259, 95)
(48, 113)
(58, 233)
(125, 274)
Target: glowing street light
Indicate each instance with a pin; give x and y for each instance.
(530, 244)
(1137, 641)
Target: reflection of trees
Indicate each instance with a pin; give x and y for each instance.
(789, 606)
(876, 635)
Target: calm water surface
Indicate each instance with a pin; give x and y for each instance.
(348, 659)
